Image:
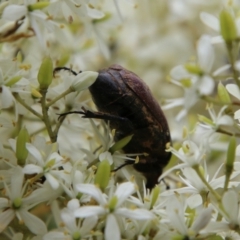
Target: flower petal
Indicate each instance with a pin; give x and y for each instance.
(94, 13)
(202, 219)
(93, 191)
(69, 219)
(32, 168)
(16, 182)
(123, 191)
(112, 229)
(7, 98)
(205, 53)
(237, 114)
(14, 12)
(89, 211)
(35, 153)
(88, 224)
(52, 180)
(5, 218)
(73, 204)
(210, 20)
(230, 204)
(34, 224)
(234, 90)
(139, 214)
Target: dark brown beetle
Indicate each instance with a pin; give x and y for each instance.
(124, 100)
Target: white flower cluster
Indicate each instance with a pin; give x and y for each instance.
(57, 177)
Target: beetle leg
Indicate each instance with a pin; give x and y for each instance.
(101, 115)
(57, 69)
(127, 162)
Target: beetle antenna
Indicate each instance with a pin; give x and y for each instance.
(57, 69)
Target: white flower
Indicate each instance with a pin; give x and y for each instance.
(214, 23)
(178, 218)
(16, 205)
(47, 163)
(231, 215)
(217, 120)
(111, 207)
(196, 81)
(12, 81)
(71, 227)
(195, 187)
(190, 154)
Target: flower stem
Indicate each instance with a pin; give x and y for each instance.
(229, 46)
(217, 102)
(22, 102)
(220, 130)
(211, 190)
(45, 119)
(69, 90)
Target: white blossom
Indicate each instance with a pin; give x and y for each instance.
(16, 205)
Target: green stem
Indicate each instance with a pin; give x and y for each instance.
(217, 102)
(46, 117)
(22, 102)
(232, 62)
(220, 130)
(227, 178)
(70, 90)
(211, 190)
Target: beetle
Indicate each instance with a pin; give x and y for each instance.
(124, 100)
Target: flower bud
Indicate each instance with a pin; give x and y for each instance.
(154, 196)
(205, 120)
(120, 144)
(45, 73)
(12, 81)
(38, 5)
(103, 175)
(35, 93)
(193, 69)
(84, 80)
(231, 153)
(21, 151)
(227, 26)
(223, 94)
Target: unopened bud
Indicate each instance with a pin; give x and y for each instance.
(45, 73)
(21, 151)
(103, 175)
